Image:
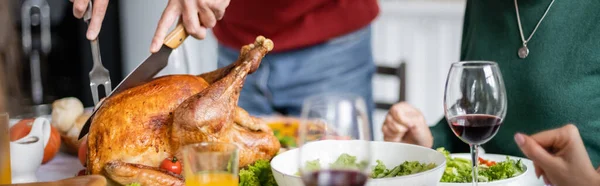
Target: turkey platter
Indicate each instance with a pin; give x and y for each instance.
(135, 130)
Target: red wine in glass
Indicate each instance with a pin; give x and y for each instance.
(475, 128)
(335, 178)
(475, 104)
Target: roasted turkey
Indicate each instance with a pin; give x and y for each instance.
(135, 130)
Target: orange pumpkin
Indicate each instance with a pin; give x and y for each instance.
(82, 154)
(23, 127)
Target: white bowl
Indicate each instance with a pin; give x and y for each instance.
(285, 165)
(528, 177)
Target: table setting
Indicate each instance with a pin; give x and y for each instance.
(147, 128)
(65, 166)
(304, 93)
(329, 144)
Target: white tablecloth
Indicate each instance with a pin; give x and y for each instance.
(62, 166)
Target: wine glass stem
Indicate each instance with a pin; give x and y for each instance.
(474, 160)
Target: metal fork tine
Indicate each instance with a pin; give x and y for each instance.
(94, 92)
(107, 88)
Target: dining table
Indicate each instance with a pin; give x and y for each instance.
(66, 166)
(62, 171)
(62, 166)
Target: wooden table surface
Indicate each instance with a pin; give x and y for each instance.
(91, 180)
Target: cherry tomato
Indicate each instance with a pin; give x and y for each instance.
(82, 154)
(486, 162)
(172, 165)
(81, 172)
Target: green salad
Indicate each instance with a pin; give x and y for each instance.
(458, 170)
(379, 171)
(344, 161)
(406, 168)
(257, 174)
(285, 141)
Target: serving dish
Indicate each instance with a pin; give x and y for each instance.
(528, 177)
(285, 165)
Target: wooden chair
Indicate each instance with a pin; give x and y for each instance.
(400, 73)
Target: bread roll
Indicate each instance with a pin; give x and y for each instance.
(78, 124)
(70, 139)
(64, 113)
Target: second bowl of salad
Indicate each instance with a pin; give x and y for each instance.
(494, 170)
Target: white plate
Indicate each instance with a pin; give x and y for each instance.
(526, 179)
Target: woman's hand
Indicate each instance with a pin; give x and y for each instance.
(560, 156)
(98, 12)
(405, 123)
(197, 16)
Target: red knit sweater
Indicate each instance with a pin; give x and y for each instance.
(292, 24)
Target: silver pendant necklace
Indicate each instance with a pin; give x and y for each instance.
(524, 51)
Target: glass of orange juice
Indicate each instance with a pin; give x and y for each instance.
(4, 150)
(210, 164)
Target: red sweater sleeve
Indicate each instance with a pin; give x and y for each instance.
(292, 24)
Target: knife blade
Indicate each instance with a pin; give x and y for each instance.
(146, 70)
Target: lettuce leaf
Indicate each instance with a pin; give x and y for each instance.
(285, 141)
(379, 171)
(257, 174)
(346, 161)
(406, 168)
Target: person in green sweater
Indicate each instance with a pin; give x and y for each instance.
(549, 56)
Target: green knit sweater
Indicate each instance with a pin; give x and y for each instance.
(558, 83)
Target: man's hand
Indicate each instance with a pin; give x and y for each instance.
(98, 12)
(197, 16)
(560, 156)
(404, 123)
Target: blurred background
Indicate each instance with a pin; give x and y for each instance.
(46, 56)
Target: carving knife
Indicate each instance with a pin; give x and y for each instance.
(146, 70)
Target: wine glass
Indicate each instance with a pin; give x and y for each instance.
(334, 141)
(475, 104)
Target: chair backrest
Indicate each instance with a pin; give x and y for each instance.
(400, 73)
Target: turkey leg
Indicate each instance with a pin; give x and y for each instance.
(252, 53)
(210, 116)
(126, 173)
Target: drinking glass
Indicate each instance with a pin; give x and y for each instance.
(475, 104)
(5, 175)
(334, 141)
(211, 163)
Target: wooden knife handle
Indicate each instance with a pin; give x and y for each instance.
(176, 36)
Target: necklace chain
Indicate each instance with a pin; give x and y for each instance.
(524, 51)
(536, 26)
